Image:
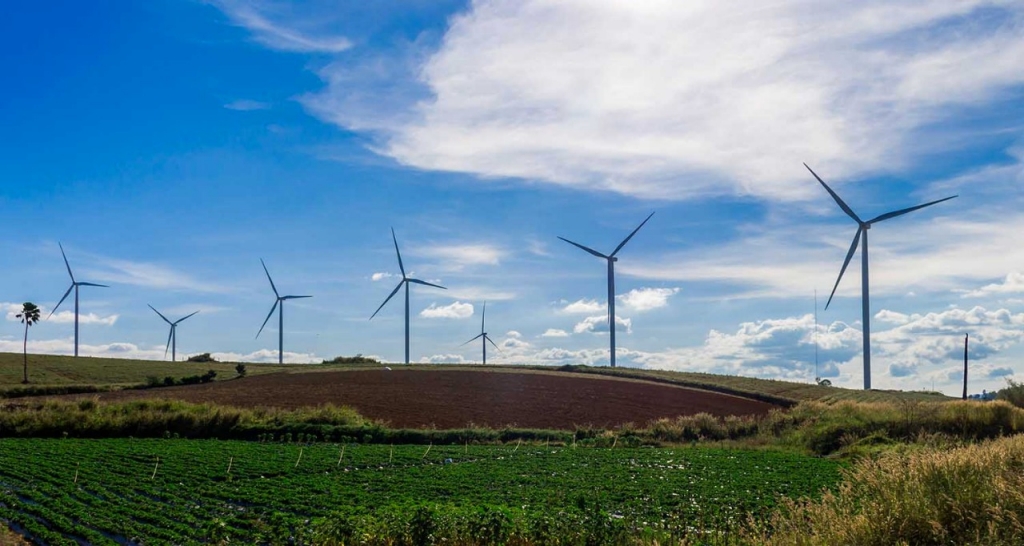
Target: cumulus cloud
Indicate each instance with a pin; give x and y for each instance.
(554, 332)
(599, 324)
(443, 359)
(584, 306)
(455, 310)
(379, 276)
(733, 105)
(1012, 284)
(646, 299)
(60, 317)
(268, 356)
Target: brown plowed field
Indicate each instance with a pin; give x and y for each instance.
(459, 398)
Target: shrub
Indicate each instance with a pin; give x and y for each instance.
(205, 357)
(1013, 393)
(169, 381)
(152, 381)
(240, 370)
(358, 359)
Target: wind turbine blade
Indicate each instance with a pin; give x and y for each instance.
(66, 264)
(626, 240)
(294, 297)
(849, 256)
(269, 279)
(488, 338)
(590, 250)
(393, 292)
(901, 212)
(169, 335)
(400, 265)
(161, 314)
(425, 283)
(182, 318)
(846, 208)
(472, 340)
(70, 288)
(92, 284)
(483, 315)
(270, 314)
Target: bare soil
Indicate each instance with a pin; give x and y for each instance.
(461, 398)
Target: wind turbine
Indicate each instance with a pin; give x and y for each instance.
(484, 338)
(280, 315)
(862, 236)
(172, 338)
(611, 279)
(74, 286)
(405, 281)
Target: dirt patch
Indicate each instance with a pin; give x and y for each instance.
(457, 398)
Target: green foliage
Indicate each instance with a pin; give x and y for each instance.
(205, 357)
(240, 369)
(358, 359)
(381, 494)
(1012, 393)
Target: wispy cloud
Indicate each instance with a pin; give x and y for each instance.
(731, 106)
(646, 299)
(584, 306)
(381, 275)
(455, 310)
(60, 317)
(554, 332)
(456, 257)
(146, 274)
(277, 27)
(246, 105)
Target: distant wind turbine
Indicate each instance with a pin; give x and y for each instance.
(405, 281)
(172, 337)
(74, 286)
(611, 279)
(862, 236)
(483, 337)
(280, 315)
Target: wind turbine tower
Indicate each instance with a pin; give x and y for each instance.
(861, 237)
(406, 281)
(280, 315)
(172, 337)
(74, 286)
(483, 337)
(611, 259)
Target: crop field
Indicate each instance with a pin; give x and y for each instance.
(450, 398)
(170, 491)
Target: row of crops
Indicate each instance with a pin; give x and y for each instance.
(130, 491)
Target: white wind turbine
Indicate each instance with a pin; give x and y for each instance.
(279, 306)
(483, 337)
(74, 286)
(172, 337)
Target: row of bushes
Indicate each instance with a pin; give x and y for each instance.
(153, 381)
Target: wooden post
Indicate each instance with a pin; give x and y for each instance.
(342, 454)
(299, 459)
(427, 451)
(391, 457)
(966, 337)
(154, 468)
(76, 473)
(517, 445)
(615, 442)
(230, 460)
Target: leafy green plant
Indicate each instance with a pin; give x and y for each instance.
(29, 315)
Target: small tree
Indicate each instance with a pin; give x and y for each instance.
(240, 370)
(29, 315)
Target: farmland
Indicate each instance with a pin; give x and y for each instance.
(175, 491)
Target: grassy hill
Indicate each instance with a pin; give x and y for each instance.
(54, 371)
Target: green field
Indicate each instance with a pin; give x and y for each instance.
(50, 370)
(180, 491)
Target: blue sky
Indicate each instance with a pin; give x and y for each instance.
(171, 145)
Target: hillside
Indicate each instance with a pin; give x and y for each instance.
(52, 370)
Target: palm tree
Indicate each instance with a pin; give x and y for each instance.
(29, 315)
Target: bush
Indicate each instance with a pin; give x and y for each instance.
(358, 359)
(205, 357)
(240, 370)
(1013, 393)
(152, 381)
(169, 381)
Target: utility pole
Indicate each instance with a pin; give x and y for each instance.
(966, 337)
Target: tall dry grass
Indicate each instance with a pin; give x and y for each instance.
(964, 496)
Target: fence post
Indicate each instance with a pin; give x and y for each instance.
(299, 459)
(342, 454)
(153, 477)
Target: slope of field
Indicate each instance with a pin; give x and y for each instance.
(50, 370)
(125, 491)
(467, 397)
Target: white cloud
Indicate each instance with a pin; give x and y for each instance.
(612, 96)
(584, 306)
(554, 332)
(247, 105)
(443, 359)
(381, 276)
(479, 293)
(147, 275)
(892, 317)
(455, 257)
(60, 317)
(455, 310)
(646, 299)
(1012, 284)
(599, 324)
(513, 334)
(275, 26)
